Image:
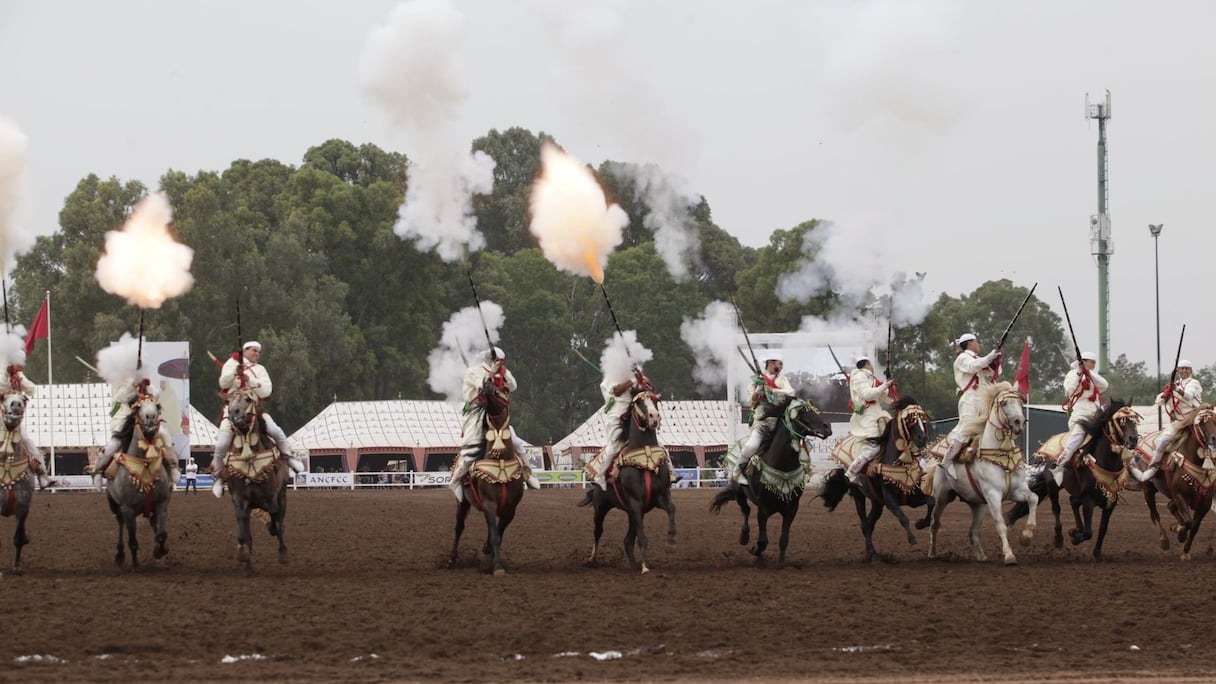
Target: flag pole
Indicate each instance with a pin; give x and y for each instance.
(50, 377)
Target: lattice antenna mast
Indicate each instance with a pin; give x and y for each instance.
(1102, 246)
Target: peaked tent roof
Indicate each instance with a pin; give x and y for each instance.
(82, 417)
(685, 424)
(382, 424)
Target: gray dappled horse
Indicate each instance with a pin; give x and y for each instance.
(256, 475)
(643, 479)
(16, 478)
(140, 485)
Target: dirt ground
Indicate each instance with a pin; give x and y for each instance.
(367, 596)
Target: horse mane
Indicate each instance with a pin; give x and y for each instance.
(988, 395)
(1094, 424)
(903, 402)
(127, 431)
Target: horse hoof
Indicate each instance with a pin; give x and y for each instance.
(18, 570)
(242, 554)
(1186, 556)
(283, 559)
(499, 572)
(1010, 560)
(1165, 544)
(922, 524)
(671, 540)
(645, 569)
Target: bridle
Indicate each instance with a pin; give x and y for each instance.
(793, 422)
(641, 415)
(913, 415)
(1004, 431)
(1116, 429)
(1205, 415)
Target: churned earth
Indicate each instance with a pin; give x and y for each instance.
(367, 596)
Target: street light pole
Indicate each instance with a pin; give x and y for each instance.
(1155, 230)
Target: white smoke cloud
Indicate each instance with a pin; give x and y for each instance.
(116, 364)
(621, 353)
(670, 201)
(410, 69)
(852, 263)
(461, 344)
(143, 263)
(711, 336)
(12, 349)
(15, 237)
(576, 227)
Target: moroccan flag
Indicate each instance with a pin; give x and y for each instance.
(41, 327)
(1022, 377)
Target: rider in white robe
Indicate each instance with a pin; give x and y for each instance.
(1180, 400)
(1084, 388)
(493, 365)
(972, 374)
(771, 393)
(124, 395)
(245, 372)
(616, 404)
(19, 383)
(870, 401)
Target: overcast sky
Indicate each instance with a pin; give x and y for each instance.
(956, 128)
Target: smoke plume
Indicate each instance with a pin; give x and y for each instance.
(576, 227)
(461, 344)
(116, 364)
(669, 202)
(621, 353)
(410, 69)
(711, 336)
(12, 348)
(143, 263)
(14, 237)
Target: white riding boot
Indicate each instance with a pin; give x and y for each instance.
(1158, 455)
(462, 469)
(948, 461)
(218, 487)
(97, 481)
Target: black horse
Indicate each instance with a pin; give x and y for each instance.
(643, 480)
(1090, 484)
(495, 483)
(256, 475)
(895, 482)
(776, 477)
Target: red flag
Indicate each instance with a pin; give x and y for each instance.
(40, 329)
(1022, 377)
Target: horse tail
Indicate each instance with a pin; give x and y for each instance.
(729, 493)
(589, 498)
(835, 486)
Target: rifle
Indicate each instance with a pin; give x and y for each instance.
(1177, 357)
(1075, 346)
(1081, 369)
(1005, 335)
(843, 370)
(755, 365)
(477, 301)
(886, 371)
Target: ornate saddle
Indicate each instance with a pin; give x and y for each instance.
(250, 459)
(142, 470)
(905, 474)
(497, 470)
(646, 458)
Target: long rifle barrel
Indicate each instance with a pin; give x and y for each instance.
(1005, 335)
(1068, 319)
(1178, 356)
(477, 300)
(614, 321)
(746, 338)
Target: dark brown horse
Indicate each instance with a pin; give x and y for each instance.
(893, 479)
(256, 475)
(1090, 483)
(643, 480)
(495, 483)
(776, 476)
(1187, 477)
(16, 478)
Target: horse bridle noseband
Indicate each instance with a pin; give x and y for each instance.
(911, 413)
(638, 411)
(1115, 429)
(790, 420)
(1003, 429)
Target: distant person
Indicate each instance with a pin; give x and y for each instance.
(191, 475)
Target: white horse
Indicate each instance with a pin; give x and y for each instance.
(998, 473)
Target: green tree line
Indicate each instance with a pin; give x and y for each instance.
(348, 311)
